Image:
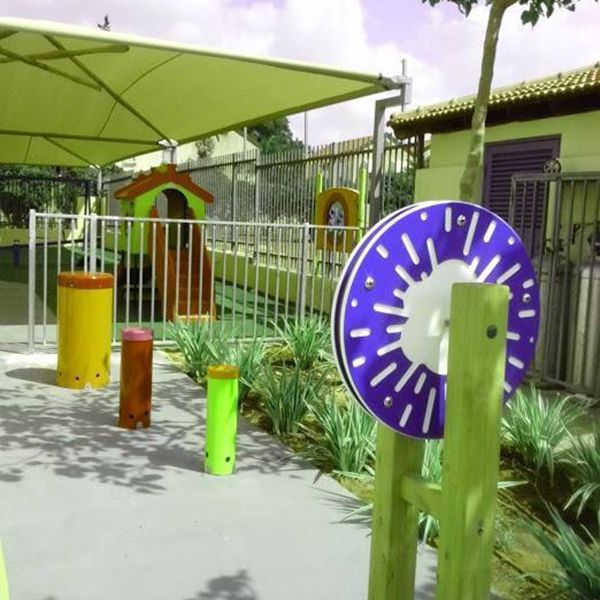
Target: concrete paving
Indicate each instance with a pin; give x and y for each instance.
(90, 511)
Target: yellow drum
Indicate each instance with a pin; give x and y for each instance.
(85, 303)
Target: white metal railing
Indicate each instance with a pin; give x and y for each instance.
(238, 277)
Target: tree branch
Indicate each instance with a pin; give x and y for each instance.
(475, 155)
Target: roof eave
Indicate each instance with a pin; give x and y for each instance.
(499, 113)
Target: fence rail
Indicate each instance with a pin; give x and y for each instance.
(280, 187)
(557, 216)
(240, 278)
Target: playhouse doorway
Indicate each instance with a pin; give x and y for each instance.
(172, 204)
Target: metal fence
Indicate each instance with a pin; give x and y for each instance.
(280, 188)
(558, 217)
(244, 279)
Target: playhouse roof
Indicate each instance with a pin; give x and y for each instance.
(160, 176)
(79, 96)
(563, 93)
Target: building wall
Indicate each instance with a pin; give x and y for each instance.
(579, 151)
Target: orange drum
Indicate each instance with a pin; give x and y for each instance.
(136, 378)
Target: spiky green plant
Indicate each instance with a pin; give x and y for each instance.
(308, 340)
(582, 459)
(347, 441)
(504, 536)
(536, 427)
(431, 471)
(286, 395)
(249, 357)
(579, 562)
(193, 341)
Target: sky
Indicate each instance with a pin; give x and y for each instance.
(442, 48)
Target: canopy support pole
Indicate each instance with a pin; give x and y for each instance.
(405, 85)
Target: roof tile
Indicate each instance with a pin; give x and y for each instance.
(584, 80)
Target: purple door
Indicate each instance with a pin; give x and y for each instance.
(502, 160)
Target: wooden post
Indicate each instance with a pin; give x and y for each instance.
(395, 520)
(477, 349)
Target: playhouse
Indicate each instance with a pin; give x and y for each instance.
(169, 248)
(173, 194)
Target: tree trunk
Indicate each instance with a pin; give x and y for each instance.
(475, 155)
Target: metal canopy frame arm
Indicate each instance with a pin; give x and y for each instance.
(291, 110)
(87, 161)
(116, 97)
(59, 55)
(14, 56)
(6, 34)
(84, 138)
(379, 125)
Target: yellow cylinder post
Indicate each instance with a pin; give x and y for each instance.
(85, 302)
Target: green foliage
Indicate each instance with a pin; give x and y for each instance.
(536, 427)
(286, 396)
(429, 526)
(24, 187)
(206, 146)
(201, 347)
(579, 572)
(308, 340)
(193, 341)
(348, 435)
(504, 536)
(398, 190)
(532, 9)
(582, 459)
(274, 136)
(431, 472)
(249, 357)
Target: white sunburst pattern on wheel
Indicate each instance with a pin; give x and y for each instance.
(392, 306)
(336, 331)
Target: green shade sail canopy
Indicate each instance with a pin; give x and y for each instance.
(74, 96)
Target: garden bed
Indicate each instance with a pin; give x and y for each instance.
(538, 460)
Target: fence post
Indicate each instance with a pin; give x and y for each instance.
(31, 282)
(318, 184)
(256, 189)
(363, 177)
(302, 278)
(93, 240)
(99, 184)
(334, 165)
(233, 199)
(256, 208)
